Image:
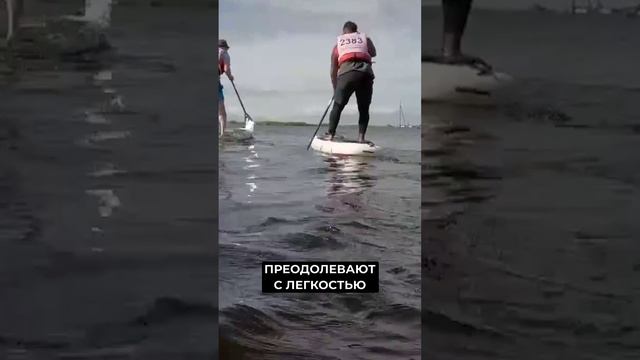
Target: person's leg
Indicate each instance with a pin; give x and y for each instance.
(222, 116)
(364, 93)
(456, 13)
(344, 89)
(222, 111)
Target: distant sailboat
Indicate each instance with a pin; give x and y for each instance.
(402, 121)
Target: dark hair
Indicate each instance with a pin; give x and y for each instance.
(351, 26)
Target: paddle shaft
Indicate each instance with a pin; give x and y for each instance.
(240, 100)
(321, 120)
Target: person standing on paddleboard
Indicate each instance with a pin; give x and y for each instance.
(224, 67)
(351, 71)
(456, 13)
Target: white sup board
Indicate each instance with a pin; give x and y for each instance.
(460, 83)
(240, 134)
(343, 147)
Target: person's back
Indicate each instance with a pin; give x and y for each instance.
(354, 52)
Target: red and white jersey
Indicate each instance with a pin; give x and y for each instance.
(352, 47)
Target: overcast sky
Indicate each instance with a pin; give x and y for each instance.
(525, 4)
(280, 52)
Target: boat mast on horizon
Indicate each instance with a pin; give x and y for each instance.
(402, 121)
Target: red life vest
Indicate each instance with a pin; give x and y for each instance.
(221, 64)
(352, 47)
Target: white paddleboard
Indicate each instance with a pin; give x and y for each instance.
(460, 83)
(240, 134)
(343, 147)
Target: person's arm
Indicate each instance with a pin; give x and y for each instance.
(227, 66)
(334, 67)
(371, 47)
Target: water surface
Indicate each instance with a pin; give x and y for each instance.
(280, 202)
(107, 206)
(530, 233)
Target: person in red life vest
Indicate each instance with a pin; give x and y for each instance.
(351, 71)
(224, 67)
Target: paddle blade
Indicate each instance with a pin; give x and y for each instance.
(249, 124)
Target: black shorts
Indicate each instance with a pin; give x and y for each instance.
(359, 82)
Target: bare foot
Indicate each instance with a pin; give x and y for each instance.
(361, 140)
(464, 59)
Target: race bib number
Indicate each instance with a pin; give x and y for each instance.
(351, 40)
(354, 42)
